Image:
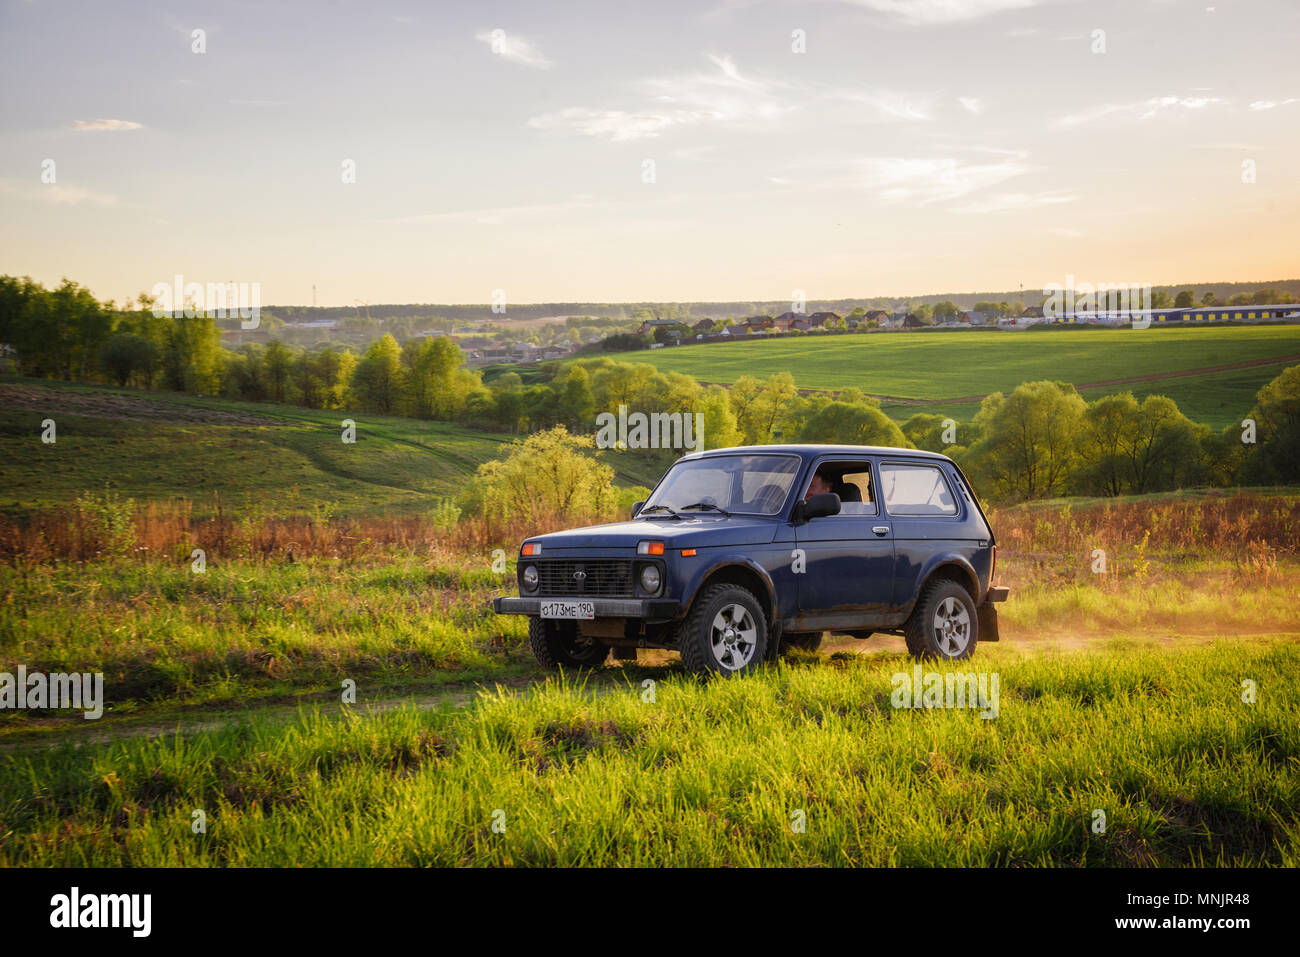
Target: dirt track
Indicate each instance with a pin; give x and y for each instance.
(59, 731)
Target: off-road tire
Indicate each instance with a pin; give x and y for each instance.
(925, 638)
(557, 644)
(695, 635)
(803, 640)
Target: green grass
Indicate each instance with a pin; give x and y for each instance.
(715, 773)
(291, 460)
(940, 365)
(247, 631)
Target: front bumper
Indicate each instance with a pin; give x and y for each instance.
(650, 609)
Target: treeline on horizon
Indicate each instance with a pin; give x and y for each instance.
(1042, 440)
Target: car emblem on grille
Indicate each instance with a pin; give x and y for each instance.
(580, 575)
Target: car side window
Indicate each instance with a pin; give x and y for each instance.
(851, 481)
(916, 490)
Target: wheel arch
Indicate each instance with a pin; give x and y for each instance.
(743, 572)
(949, 567)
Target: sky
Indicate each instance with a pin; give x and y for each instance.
(615, 151)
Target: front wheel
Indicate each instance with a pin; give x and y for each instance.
(557, 644)
(725, 633)
(944, 624)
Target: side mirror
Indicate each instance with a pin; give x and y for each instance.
(636, 507)
(819, 506)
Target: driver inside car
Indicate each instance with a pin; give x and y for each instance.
(819, 485)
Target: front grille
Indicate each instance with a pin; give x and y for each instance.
(600, 578)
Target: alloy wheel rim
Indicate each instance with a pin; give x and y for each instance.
(733, 637)
(952, 627)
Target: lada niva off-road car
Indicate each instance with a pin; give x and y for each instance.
(739, 554)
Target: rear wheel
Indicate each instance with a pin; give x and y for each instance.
(725, 633)
(557, 644)
(944, 624)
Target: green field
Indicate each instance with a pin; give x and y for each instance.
(277, 458)
(810, 763)
(948, 365)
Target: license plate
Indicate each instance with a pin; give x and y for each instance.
(568, 609)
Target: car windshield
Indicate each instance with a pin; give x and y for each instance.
(756, 484)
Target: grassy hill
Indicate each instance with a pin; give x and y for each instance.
(947, 372)
(280, 459)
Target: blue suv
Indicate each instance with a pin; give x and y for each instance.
(739, 554)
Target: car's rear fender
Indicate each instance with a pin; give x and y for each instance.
(947, 564)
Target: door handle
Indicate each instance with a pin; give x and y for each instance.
(880, 529)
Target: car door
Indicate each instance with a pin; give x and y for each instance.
(926, 514)
(848, 559)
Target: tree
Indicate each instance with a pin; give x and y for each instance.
(1165, 451)
(377, 379)
(1160, 299)
(925, 430)
(1276, 457)
(760, 406)
(191, 354)
(720, 428)
(577, 403)
(839, 423)
(125, 354)
(1108, 429)
(543, 477)
(1208, 299)
(945, 310)
(1185, 299)
(430, 366)
(276, 364)
(1030, 440)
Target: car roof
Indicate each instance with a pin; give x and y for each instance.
(811, 451)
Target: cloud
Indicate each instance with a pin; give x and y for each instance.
(932, 12)
(1139, 109)
(1003, 202)
(615, 125)
(99, 125)
(930, 180)
(1273, 104)
(971, 104)
(59, 194)
(516, 49)
(726, 95)
(499, 215)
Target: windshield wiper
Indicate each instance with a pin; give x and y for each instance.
(703, 505)
(653, 508)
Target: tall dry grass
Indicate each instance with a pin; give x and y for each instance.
(171, 531)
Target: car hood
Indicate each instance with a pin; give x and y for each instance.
(708, 530)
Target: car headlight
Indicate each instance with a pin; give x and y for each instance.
(650, 579)
(529, 577)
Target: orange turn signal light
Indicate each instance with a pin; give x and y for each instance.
(532, 548)
(650, 548)
(688, 553)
